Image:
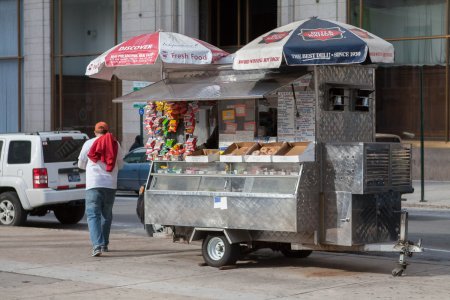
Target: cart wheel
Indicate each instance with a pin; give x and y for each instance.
(397, 272)
(151, 229)
(218, 252)
(296, 253)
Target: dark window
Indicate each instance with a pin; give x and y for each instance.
(19, 152)
(82, 30)
(417, 29)
(1, 147)
(11, 65)
(135, 157)
(231, 24)
(62, 150)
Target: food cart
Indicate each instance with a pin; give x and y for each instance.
(326, 185)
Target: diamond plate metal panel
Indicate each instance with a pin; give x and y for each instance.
(310, 177)
(376, 218)
(343, 167)
(337, 218)
(308, 214)
(361, 219)
(364, 219)
(275, 214)
(344, 126)
(355, 75)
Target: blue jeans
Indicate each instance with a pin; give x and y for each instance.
(99, 204)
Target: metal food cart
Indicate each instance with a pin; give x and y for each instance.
(342, 193)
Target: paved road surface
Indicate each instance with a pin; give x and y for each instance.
(433, 226)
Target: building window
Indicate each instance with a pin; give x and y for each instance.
(230, 24)
(417, 29)
(82, 30)
(10, 65)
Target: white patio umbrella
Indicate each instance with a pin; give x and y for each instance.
(313, 42)
(142, 58)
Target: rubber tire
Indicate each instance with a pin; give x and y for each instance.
(296, 253)
(151, 229)
(397, 272)
(20, 216)
(69, 214)
(230, 255)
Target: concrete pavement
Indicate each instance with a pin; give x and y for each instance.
(40, 263)
(436, 195)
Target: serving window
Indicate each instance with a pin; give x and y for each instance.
(348, 98)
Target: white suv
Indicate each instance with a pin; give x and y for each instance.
(38, 173)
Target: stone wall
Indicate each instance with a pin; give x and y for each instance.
(436, 164)
(36, 66)
(295, 10)
(146, 16)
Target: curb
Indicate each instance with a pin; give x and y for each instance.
(425, 206)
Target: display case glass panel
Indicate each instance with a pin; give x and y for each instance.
(265, 169)
(175, 183)
(238, 185)
(214, 184)
(274, 185)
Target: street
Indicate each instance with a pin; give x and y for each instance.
(124, 214)
(429, 225)
(433, 227)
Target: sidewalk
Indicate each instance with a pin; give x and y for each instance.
(37, 263)
(437, 195)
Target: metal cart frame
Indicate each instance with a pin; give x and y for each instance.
(346, 196)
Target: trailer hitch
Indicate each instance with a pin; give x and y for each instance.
(404, 246)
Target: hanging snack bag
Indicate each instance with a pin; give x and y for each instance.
(173, 124)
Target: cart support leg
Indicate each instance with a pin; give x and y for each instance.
(407, 248)
(403, 244)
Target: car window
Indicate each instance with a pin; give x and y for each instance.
(19, 152)
(388, 139)
(135, 157)
(1, 146)
(65, 149)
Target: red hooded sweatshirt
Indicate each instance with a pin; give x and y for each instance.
(105, 149)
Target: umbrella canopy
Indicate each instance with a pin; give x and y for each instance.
(313, 42)
(143, 57)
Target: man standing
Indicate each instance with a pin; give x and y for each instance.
(102, 157)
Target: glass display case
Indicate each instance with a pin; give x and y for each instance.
(220, 177)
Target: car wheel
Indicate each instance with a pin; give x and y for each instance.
(11, 211)
(69, 214)
(218, 252)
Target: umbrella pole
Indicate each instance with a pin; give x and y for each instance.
(295, 100)
(141, 128)
(422, 165)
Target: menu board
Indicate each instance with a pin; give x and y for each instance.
(296, 124)
(306, 122)
(286, 117)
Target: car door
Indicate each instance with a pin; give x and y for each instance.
(1, 157)
(17, 159)
(144, 169)
(128, 176)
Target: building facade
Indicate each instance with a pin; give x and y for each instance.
(50, 42)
